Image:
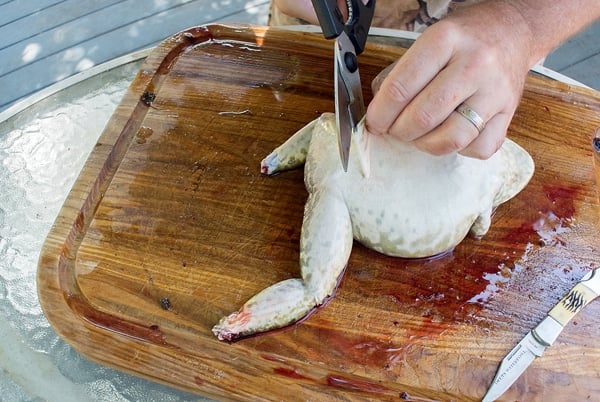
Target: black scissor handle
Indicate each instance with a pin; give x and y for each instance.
(356, 27)
(330, 18)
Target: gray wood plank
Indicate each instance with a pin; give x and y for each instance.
(139, 34)
(579, 57)
(16, 9)
(577, 49)
(587, 71)
(43, 21)
(78, 30)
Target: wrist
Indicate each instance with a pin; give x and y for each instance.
(521, 23)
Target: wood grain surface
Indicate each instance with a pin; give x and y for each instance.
(170, 226)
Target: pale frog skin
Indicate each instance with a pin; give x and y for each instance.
(404, 203)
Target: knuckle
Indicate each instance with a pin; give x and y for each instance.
(423, 120)
(396, 90)
(485, 59)
(445, 32)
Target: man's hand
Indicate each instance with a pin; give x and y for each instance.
(468, 58)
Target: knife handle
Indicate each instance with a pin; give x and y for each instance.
(571, 303)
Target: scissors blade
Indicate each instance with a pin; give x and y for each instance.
(544, 334)
(349, 103)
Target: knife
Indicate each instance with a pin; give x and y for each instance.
(544, 334)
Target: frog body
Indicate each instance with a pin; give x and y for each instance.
(393, 198)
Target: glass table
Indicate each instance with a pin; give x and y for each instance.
(44, 142)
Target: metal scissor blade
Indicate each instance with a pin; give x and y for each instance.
(343, 122)
(349, 104)
(513, 365)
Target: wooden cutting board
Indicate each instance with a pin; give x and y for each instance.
(171, 225)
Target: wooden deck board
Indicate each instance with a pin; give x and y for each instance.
(110, 31)
(70, 34)
(43, 22)
(584, 73)
(579, 57)
(45, 41)
(13, 10)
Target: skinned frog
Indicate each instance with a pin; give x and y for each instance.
(404, 203)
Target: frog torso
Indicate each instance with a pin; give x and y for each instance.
(394, 199)
(412, 204)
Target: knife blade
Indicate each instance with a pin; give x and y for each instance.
(544, 334)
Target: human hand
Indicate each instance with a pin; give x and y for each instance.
(478, 55)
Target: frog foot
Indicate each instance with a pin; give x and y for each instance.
(291, 154)
(277, 306)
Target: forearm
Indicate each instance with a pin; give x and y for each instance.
(302, 9)
(550, 23)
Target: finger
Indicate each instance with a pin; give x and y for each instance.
(378, 80)
(455, 134)
(458, 134)
(491, 138)
(433, 105)
(419, 65)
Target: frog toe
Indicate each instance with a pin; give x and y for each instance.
(270, 164)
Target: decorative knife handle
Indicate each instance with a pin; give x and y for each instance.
(577, 298)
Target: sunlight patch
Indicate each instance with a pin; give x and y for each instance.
(84, 64)
(30, 52)
(74, 54)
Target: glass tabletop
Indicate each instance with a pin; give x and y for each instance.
(42, 149)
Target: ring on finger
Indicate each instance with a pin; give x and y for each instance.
(474, 118)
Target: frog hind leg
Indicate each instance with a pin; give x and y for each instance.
(291, 154)
(325, 247)
(482, 224)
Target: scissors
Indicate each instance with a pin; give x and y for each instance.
(544, 334)
(350, 39)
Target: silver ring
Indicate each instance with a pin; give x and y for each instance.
(471, 115)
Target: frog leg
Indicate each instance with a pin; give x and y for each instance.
(291, 154)
(325, 246)
(482, 224)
